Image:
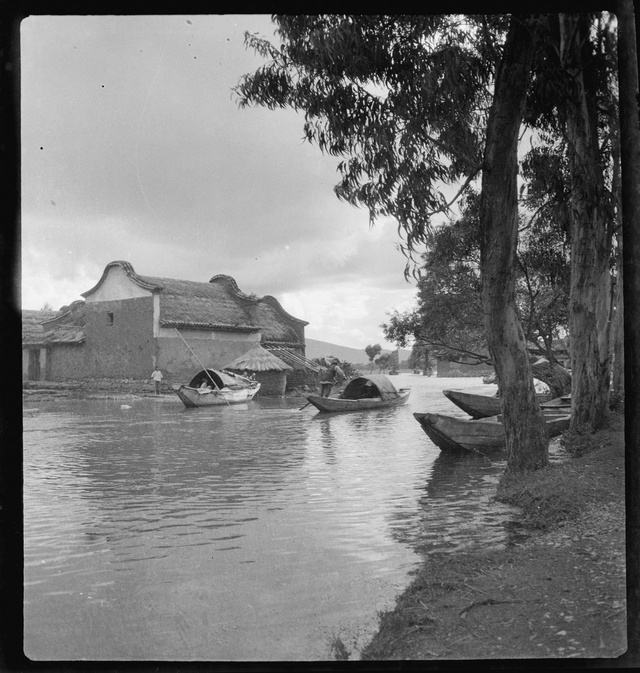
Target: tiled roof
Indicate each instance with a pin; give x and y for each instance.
(32, 322)
(220, 304)
(62, 334)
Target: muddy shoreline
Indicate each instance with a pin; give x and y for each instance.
(560, 593)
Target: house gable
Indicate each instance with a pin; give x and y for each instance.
(119, 281)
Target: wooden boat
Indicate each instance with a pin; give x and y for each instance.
(477, 406)
(484, 406)
(224, 388)
(363, 392)
(563, 403)
(483, 435)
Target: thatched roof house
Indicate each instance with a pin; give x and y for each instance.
(129, 324)
(268, 369)
(48, 338)
(218, 305)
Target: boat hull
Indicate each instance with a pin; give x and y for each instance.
(477, 406)
(335, 404)
(483, 435)
(194, 397)
(484, 406)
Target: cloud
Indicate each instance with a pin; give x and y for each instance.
(134, 148)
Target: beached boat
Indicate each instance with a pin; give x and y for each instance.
(363, 392)
(223, 388)
(483, 435)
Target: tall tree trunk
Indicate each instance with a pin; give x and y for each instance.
(590, 294)
(617, 306)
(630, 168)
(617, 331)
(527, 440)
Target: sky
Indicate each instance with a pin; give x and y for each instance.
(134, 148)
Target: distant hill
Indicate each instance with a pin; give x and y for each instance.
(317, 349)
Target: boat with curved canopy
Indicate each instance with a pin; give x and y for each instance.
(212, 387)
(363, 392)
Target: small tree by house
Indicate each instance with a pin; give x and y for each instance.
(372, 352)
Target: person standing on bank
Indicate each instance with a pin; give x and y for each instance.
(156, 377)
(329, 377)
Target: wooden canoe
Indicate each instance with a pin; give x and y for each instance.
(225, 388)
(333, 404)
(484, 406)
(483, 435)
(477, 406)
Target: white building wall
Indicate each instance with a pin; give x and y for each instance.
(117, 285)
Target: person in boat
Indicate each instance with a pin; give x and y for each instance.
(369, 390)
(156, 377)
(205, 385)
(329, 377)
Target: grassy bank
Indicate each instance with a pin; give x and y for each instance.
(558, 592)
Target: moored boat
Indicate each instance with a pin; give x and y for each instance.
(483, 435)
(220, 388)
(485, 406)
(363, 392)
(477, 406)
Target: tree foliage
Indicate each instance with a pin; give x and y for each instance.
(406, 103)
(402, 98)
(449, 315)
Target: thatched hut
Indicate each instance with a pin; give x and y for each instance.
(268, 369)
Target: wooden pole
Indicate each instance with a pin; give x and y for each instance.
(206, 371)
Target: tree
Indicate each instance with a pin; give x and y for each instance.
(630, 201)
(372, 352)
(402, 98)
(406, 101)
(449, 315)
(527, 439)
(591, 231)
(573, 101)
(383, 362)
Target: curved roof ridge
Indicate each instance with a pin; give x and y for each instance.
(234, 286)
(129, 271)
(269, 299)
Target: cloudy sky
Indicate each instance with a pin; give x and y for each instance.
(134, 148)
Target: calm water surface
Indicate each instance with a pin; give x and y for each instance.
(247, 532)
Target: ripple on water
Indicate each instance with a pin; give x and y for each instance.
(256, 532)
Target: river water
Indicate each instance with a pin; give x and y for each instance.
(245, 532)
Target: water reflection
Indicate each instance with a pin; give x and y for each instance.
(253, 531)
